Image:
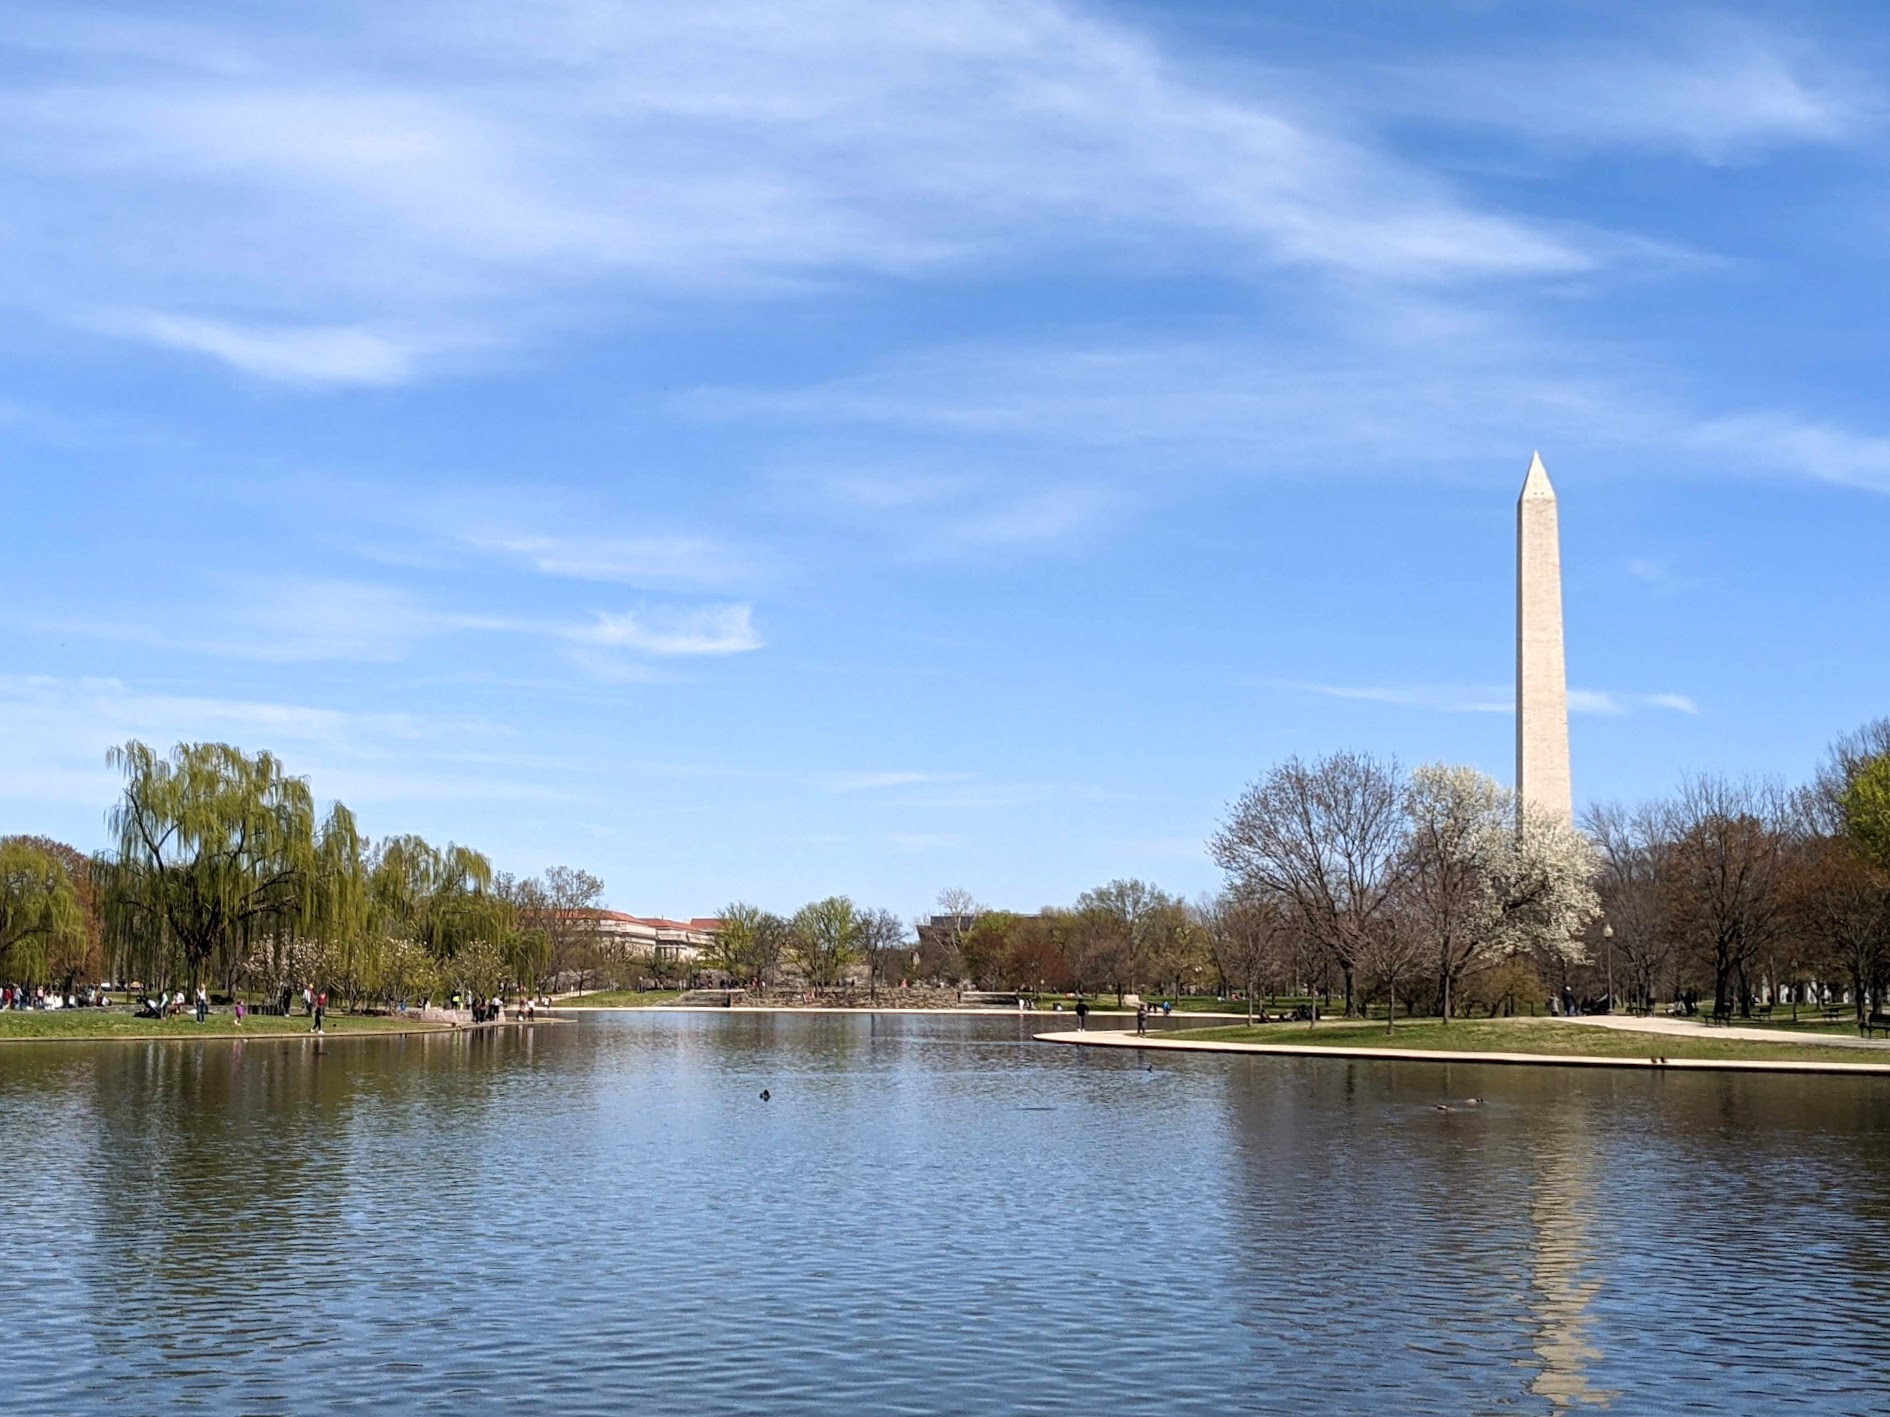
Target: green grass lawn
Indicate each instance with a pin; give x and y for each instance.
(1190, 1004)
(621, 999)
(1195, 1004)
(1528, 1035)
(119, 1023)
(1807, 1023)
(1206, 1003)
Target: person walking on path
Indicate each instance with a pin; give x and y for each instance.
(321, 1010)
(1082, 1014)
(1141, 1020)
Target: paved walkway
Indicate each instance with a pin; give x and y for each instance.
(1180, 1043)
(1694, 1028)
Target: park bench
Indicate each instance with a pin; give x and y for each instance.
(1760, 1012)
(1873, 1023)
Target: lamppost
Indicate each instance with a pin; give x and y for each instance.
(1607, 942)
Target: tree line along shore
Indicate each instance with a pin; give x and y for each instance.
(1436, 893)
(1428, 893)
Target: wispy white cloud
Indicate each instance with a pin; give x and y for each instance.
(700, 630)
(310, 620)
(360, 171)
(1047, 514)
(879, 781)
(1434, 389)
(283, 619)
(879, 489)
(530, 520)
(649, 561)
(1412, 380)
(1444, 698)
(1441, 699)
(1718, 93)
(929, 513)
(59, 729)
(1596, 701)
(1783, 442)
(294, 354)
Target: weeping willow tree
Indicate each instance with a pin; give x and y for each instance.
(41, 921)
(221, 867)
(439, 897)
(439, 904)
(213, 850)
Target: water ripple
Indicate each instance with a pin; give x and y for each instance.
(928, 1216)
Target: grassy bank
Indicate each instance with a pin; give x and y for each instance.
(18, 1025)
(1527, 1035)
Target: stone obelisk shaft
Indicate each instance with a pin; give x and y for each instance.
(1541, 671)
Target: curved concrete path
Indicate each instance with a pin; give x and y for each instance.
(1167, 1042)
(1693, 1028)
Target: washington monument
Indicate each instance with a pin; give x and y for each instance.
(1541, 671)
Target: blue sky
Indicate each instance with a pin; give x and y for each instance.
(781, 448)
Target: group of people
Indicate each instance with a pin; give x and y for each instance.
(18, 996)
(492, 1010)
(315, 1007)
(168, 1005)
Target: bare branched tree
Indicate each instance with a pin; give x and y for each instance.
(1329, 838)
(1728, 847)
(880, 933)
(571, 899)
(1134, 929)
(1839, 900)
(1250, 940)
(942, 938)
(1634, 861)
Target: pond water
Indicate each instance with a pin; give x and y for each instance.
(929, 1215)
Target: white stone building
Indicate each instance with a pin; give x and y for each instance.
(653, 937)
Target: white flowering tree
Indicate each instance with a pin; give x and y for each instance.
(1487, 875)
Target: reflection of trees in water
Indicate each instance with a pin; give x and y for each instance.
(223, 1168)
(1396, 1248)
(1383, 1243)
(1561, 1213)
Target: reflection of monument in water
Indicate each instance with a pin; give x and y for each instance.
(1542, 775)
(1561, 1211)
